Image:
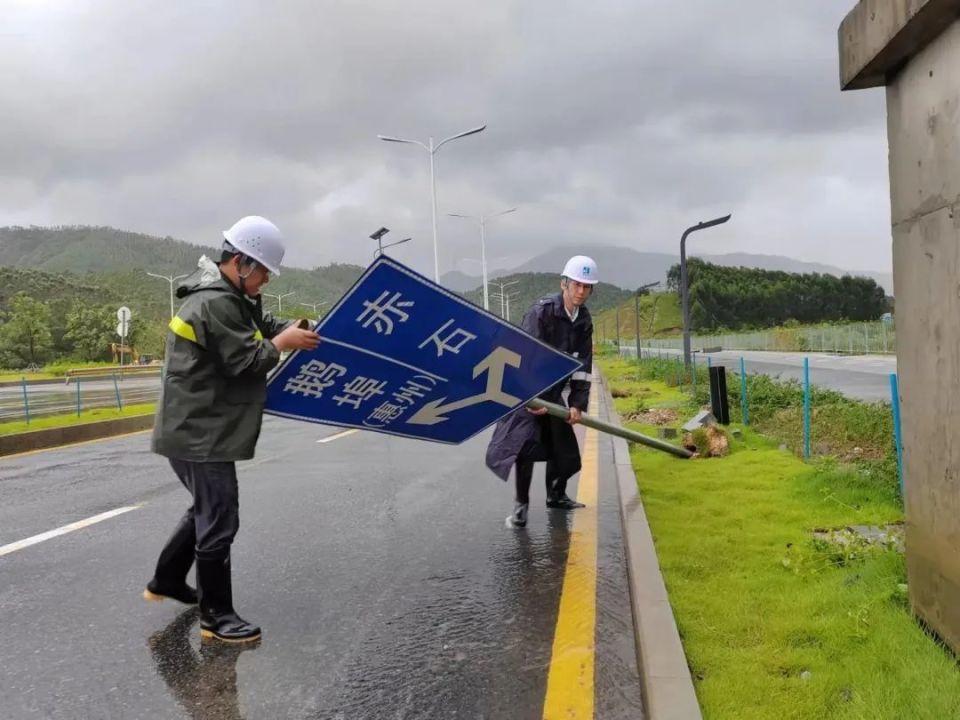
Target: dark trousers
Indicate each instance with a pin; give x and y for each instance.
(555, 444)
(207, 528)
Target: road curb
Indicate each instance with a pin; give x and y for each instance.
(19, 383)
(668, 692)
(55, 437)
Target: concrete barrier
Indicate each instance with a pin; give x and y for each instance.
(55, 437)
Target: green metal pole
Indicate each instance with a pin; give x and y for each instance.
(561, 412)
(636, 309)
(117, 390)
(26, 402)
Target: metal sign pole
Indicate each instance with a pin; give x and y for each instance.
(561, 412)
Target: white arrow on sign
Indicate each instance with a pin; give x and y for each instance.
(494, 364)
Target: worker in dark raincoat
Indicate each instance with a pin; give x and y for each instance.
(220, 347)
(528, 436)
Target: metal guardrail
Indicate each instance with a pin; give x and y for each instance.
(108, 372)
(31, 403)
(868, 338)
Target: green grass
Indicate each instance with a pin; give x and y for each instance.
(51, 371)
(659, 317)
(86, 416)
(776, 624)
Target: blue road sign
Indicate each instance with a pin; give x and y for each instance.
(404, 356)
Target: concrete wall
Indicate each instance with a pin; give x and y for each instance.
(923, 124)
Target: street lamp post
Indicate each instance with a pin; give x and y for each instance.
(505, 298)
(170, 279)
(503, 291)
(432, 150)
(378, 236)
(381, 247)
(636, 308)
(315, 306)
(483, 246)
(279, 299)
(684, 290)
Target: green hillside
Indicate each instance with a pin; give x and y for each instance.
(116, 262)
(81, 249)
(532, 286)
(48, 287)
(659, 317)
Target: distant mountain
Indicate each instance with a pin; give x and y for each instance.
(627, 268)
(117, 260)
(80, 250)
(530, 287)
(460, 282)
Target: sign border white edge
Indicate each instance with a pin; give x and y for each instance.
(384, 260)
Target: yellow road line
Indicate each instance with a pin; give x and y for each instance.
(75, 444)
(570, 681)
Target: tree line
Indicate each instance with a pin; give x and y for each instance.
(34, 332)
(738, 298)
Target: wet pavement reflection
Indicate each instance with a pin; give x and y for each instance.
(380, 569)
(204, 683)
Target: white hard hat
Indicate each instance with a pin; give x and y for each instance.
(257, 238)
(582, 269)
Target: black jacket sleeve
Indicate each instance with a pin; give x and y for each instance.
(580, 380)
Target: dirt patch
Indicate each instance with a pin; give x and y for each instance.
(709, 441)
(654, 416)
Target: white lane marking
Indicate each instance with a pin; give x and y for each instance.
(331, 438)
(79, 525)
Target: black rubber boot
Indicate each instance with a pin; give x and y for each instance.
(218, 620)
(563, 502)
(519, 517)
(170, 577)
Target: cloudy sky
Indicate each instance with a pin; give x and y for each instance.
(609, 122)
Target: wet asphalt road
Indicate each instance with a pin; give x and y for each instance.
(379, 568)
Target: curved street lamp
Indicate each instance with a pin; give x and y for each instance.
(684, 290)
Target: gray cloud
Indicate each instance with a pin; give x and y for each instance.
(609, 123)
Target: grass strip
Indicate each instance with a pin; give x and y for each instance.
(86, 416)
(777, 623)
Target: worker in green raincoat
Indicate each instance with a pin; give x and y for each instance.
(220, 347)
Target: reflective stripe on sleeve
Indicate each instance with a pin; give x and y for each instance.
(183, 329)
(580, 375)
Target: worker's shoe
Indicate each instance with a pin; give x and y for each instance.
(519, 517)
(218, 619)
(181, 593)
(170, 577)
(563, 502)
